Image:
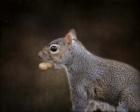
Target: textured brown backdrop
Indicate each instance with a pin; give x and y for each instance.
(109, 28)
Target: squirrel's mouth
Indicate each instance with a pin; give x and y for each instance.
(47, 61)
(49, 64)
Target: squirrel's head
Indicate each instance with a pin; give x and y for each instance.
(59, 51)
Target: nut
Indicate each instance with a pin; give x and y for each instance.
(45, 65)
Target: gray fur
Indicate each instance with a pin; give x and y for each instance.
(92, 78)
(116, 82)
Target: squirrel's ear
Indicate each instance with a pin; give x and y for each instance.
(71, 35)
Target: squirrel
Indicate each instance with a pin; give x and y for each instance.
(92, 78)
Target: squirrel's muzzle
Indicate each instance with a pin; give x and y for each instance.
(44, 55)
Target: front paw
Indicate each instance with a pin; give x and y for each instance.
(99, 106)
(91, 107)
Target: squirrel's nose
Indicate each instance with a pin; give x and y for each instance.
(40, 54)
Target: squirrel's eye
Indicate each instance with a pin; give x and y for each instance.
(54, 48)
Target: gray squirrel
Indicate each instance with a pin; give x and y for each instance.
(104, 82)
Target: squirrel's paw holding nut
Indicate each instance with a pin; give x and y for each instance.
(45, 65)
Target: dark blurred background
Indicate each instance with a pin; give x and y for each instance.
(108, 28)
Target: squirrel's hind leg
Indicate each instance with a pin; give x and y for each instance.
(129, 100)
